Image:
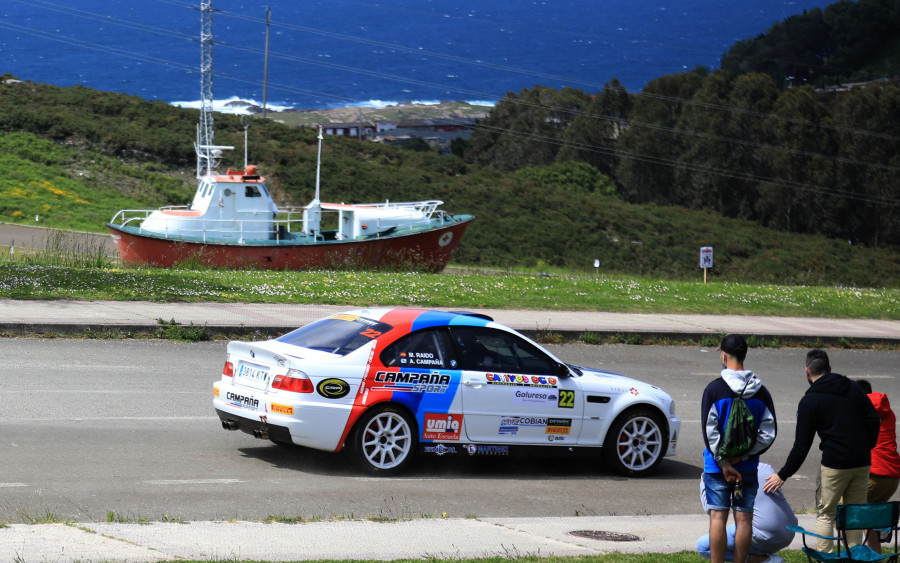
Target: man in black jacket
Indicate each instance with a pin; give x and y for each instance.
(847, 424)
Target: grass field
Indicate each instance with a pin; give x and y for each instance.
(76, 267)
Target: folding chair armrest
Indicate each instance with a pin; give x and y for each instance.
(806, 532)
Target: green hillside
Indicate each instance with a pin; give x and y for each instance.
(847, 41)
(74, 156)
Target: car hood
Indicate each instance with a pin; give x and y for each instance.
(598, 380)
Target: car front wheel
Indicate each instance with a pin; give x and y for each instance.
(384, 441)
(635, 444)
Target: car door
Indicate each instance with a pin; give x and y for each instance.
(512, 391)
(420, 372)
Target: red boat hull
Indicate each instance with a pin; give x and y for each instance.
(429, 250)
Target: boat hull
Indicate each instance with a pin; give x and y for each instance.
(426, 250)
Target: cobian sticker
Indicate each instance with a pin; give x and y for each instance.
(333, 388)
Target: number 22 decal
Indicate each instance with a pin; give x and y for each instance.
(371, 333)
(566, 399)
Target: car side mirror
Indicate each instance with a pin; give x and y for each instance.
(562, 370)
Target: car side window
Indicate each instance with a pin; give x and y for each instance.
(485, 349)
(422, 349)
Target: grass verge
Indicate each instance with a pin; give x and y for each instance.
(563, 292)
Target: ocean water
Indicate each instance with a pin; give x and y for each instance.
(330, 53)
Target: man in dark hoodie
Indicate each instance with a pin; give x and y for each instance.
(837, 409)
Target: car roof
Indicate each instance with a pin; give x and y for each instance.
(415, 319)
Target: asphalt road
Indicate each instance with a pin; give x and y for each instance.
(92, 427)
(39, 238)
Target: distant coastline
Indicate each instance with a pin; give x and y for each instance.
(349, 114)
(398, 112)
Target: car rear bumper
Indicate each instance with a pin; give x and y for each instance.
(313, 424)
(256, 428)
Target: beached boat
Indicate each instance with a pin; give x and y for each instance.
(233, 222)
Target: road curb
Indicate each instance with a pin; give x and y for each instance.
(587, 336)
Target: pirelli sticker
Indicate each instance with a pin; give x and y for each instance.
(282, 409)
(559, 425)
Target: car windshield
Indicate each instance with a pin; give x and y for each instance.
(340, 334)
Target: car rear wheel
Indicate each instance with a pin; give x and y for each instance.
(384, 441)
(635, 444)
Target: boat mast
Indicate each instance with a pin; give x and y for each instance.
(319, 164)
(312, 213)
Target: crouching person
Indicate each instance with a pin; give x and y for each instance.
(771, 516)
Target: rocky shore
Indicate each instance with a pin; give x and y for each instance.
(397, 112)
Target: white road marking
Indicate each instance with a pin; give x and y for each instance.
(192, 481)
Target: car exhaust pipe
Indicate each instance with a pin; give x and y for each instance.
(261, 434)
(229, 425)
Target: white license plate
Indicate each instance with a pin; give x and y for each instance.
(252, 376)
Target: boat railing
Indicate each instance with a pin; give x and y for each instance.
(283, 226)
(427, 207)
(130, 217)
(286, 223)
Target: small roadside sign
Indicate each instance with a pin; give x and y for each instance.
(706, 259)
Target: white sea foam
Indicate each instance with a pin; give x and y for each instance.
(235, 105)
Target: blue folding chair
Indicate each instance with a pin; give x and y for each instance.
(873, 518)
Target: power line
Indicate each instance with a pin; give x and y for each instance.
(423, 52)
(824, 190)
(622, 154)
(708, 136)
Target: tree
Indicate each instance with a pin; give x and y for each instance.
(572, 176)
(526, 129)
(752, 97)
(703, 124)
(593, 135)
(867, 120)
(799, 159)
(650, 144)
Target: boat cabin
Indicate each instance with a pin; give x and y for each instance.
(235, 206)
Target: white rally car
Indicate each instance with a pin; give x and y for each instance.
(391, 383)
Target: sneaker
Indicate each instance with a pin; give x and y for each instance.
(773, 559)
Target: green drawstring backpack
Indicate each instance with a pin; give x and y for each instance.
(740, 428)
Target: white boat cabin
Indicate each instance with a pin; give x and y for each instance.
(234, 207)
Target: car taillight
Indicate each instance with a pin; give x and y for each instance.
(293, 381)
(228, 370)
